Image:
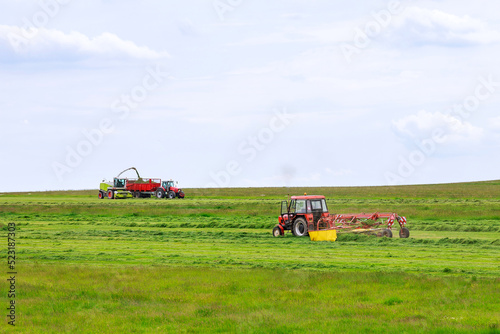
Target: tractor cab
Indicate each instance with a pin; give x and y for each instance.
(119, 183)
(318, 209)
(167, 184)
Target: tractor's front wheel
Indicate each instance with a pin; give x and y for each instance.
(111, 194)
(404, 232)
(277, 232)
(171, 194)
(160, 193)
(299, 227)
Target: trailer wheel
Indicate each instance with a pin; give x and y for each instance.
(111, 194)
(101, 194)
(404, 232)
(277, 232)
(300, 227)
(387, 233)
(171, 194)
(137, 194)
(160, 193)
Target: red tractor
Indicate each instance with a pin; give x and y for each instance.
(167, 189)
(310, 213)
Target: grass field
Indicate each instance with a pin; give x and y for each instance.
(209, 263)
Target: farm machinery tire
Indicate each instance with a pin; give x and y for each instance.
(299, 228)
(137, 194)
(160, 193)
(111, 194)
(277, 232)
(387, 233)
(171, 194)
(404, 232)
(101, 194)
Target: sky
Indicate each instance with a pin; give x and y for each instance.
(240, 93)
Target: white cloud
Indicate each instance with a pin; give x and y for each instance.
(422, 26)
(17, 44)
(423, 124)
(414, 26)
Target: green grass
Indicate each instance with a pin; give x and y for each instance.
(120, 299)
(209, 263)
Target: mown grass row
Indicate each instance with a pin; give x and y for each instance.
(205, 220)
(243, 237)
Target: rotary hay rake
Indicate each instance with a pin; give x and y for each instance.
(379, 224)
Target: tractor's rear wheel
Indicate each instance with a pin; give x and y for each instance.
(111, 194)
(101, 194)
(171, 194)
(160, 193)
(387, 233)
(277, 231)
(299, 227)
(404, 232)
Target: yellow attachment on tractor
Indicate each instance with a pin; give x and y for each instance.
(323, 235)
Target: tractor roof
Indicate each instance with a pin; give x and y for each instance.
(309, 197)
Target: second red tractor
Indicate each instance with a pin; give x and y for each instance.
(310, 213)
